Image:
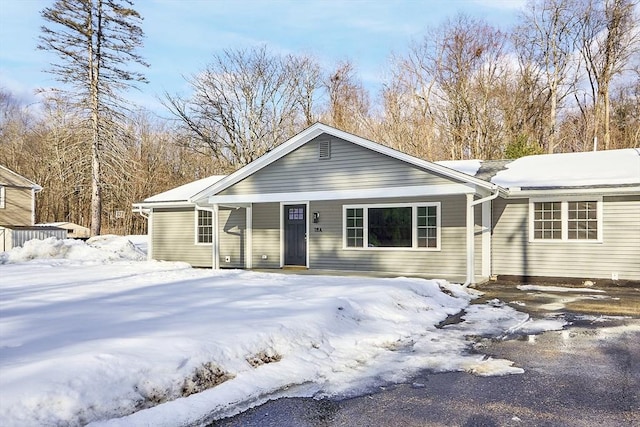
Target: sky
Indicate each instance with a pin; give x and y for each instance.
(182, 35)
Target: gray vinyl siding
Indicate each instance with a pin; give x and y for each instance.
(350, 167)
(266, 235)
(173, 238)
(327, 252)
(232, 232)
(513, 254)
(18, 205)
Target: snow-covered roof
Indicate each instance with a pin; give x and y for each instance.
(561, 170)
(186, 191)
(591, 168)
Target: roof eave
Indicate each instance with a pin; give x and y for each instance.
(163, 204)
(516, 193)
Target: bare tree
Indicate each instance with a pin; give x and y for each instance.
(95, 40)
(548, 37)
(245, 103)
(610, 37)
(348, 106)
(452, 74)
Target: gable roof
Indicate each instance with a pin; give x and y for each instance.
(185, 192)
(12, 179)
(560, 170)
(318, 129)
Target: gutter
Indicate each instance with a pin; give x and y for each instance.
(471, 232)
(140, 210)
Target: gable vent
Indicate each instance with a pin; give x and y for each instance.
(324, 150)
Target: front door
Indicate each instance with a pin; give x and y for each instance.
(295, 235)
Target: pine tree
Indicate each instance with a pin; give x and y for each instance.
(95, 41)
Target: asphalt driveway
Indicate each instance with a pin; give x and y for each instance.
(585, 375)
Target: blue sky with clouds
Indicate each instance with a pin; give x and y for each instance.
(181, 35)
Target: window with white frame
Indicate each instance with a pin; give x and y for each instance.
(205, 227)
(566, 220)
(547, 220)
(394, 226)
(2, 197)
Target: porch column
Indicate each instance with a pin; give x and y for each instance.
(216, 238)
(470, 240)
(249, 237)
(486, 239)
(150, 235)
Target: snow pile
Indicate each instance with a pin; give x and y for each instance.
(164, 344)
(97, 249)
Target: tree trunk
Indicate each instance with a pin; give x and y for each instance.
(552, 121)
(607, 112)
(94, 76)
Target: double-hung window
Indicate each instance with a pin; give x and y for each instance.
(204, 232)
(397, 226)
(562, 220)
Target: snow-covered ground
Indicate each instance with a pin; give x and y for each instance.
(93, 333)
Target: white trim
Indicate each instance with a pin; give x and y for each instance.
(307, 237)
(486, 238)
(318, 129)
(470, 240)
(3, 195)
(197, 223)
(248, 252)
(414, 226)
(363, 193)
(163, 205)
(150, 235)
(516, 193)
(564, 218)
(215, 253)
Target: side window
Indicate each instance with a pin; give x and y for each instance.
(582, 220)
(427, 227)
(575, 220)
(547, 220)
(355, 228)
(205, 227)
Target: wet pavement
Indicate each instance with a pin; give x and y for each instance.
(585, 375)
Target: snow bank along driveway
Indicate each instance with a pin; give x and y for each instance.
(92, 333)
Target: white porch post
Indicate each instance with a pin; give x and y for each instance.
(150, 235)
(216, 238)
(249, 237)
(470, 240)
(486, 239)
